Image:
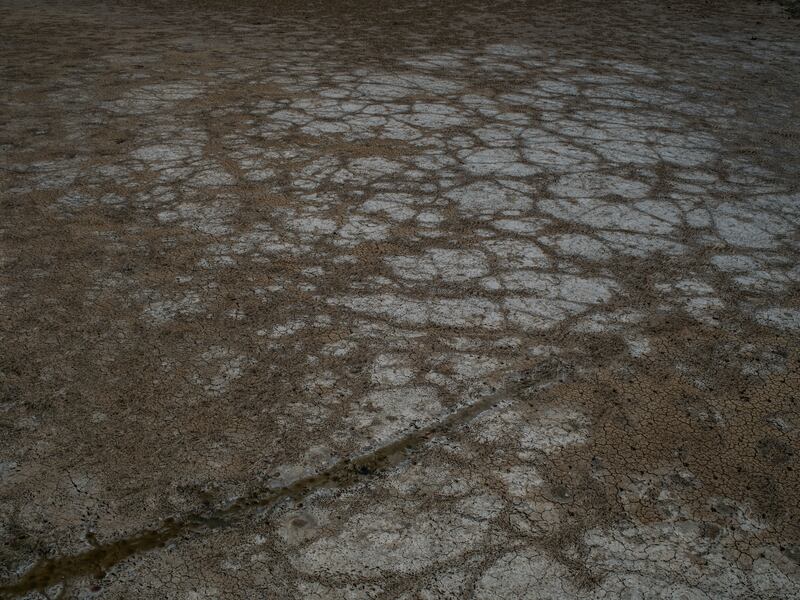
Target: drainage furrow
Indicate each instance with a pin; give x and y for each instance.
(96, 561)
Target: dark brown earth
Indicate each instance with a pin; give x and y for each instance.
(399, 300)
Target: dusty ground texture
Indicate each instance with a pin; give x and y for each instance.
(399, 300)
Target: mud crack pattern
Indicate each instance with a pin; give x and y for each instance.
(399, 301)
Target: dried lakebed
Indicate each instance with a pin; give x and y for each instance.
(399, 301)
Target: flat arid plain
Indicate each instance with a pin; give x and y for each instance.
(399, 300)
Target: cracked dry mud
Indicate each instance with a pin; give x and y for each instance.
(399, 300)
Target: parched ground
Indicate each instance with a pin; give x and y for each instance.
(399, 300)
